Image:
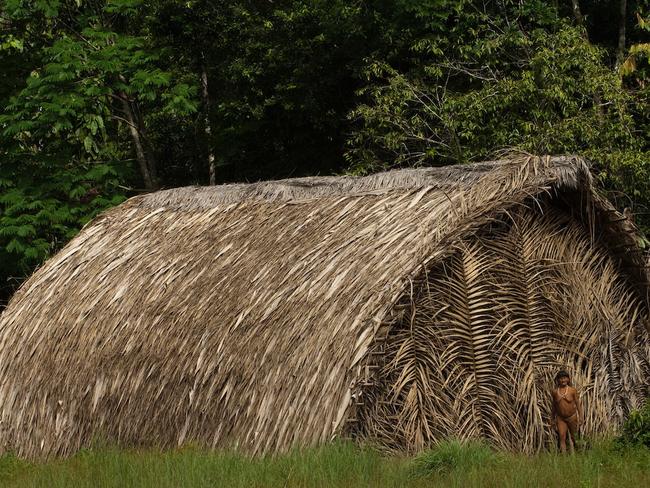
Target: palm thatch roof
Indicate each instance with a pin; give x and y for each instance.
(269, 315)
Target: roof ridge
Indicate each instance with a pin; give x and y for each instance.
(309, 187)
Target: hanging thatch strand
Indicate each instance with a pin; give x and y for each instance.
(402, 306)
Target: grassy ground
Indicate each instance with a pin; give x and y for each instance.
(338, 465)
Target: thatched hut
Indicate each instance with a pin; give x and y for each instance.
(402, 307)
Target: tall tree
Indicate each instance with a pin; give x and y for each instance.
(73, 111)
(505, 75)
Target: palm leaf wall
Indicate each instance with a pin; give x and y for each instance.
(475, 353)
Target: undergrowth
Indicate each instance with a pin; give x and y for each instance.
(451, 464)
(636, 430)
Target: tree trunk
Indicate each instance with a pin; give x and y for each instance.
(206, 123)
(151, 159)
(577, 13)
(149, 179)
(620, 49)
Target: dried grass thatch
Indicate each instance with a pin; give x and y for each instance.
(399, 307)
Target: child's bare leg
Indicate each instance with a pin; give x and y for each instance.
(573, 430)
(562, 430)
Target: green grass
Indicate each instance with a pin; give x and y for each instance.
(339, 465)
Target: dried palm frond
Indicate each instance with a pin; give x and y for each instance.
(489, 328)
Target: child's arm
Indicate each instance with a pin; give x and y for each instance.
(578, 406)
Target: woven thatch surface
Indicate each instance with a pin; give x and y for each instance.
(242, 315)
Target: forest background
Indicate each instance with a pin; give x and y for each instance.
(101, 100)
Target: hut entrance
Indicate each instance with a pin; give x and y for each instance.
(475, 353)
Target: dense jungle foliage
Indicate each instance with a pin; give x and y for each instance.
(104, 99)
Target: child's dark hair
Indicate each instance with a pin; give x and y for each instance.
(562, 374)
